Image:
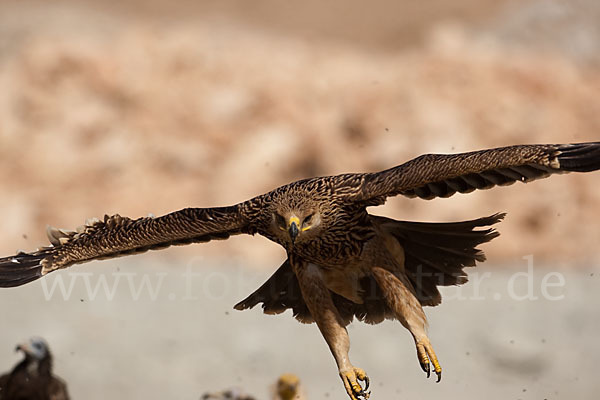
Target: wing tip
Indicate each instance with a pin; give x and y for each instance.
(579, 157)
(241, 306)
(488, 221)
(22, 268)
(497, 217)
(248, 303)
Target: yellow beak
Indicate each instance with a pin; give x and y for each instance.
(293, 225)
(294, 220)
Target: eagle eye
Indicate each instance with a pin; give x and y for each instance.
(307, 219)
(280, 221)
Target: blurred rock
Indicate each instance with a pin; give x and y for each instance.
(142, 118)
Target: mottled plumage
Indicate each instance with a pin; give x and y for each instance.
(343, 262)
(32, 378)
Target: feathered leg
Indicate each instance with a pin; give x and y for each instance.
(319, 302)
(409, 312)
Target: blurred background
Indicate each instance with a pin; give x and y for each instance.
(138, 107)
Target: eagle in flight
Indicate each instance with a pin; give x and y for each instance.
(342, 262)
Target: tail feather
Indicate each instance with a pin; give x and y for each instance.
(279, 293)
(282, 291)
(436, 253)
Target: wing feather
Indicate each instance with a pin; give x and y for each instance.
(442, 175)
(117, 236)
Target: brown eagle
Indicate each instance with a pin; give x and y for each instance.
(32, 378)
(342, 262)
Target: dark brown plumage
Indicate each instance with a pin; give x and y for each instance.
(342, 261)
(32, 378)
(434, 253)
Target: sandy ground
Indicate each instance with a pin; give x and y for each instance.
(184, 338)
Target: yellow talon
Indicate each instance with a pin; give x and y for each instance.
(427, 356)
(437, 368)
(353, 388)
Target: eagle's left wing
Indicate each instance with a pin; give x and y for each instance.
(442, 175)
(117, 236)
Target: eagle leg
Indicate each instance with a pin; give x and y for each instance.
(332, 326)
(409, 312)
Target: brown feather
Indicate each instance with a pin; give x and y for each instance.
(117, 236)
(442, 175)
(436, 254)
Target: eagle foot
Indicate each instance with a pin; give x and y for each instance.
(353, 388)
(427, 356)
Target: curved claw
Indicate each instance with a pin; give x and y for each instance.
(353, 388)
(423, 359)
(426, 357)
(426, 368)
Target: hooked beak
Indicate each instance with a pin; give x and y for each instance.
(293, 228)
(21, 347)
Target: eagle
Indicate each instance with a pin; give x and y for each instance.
(343, 263)
(32, 378)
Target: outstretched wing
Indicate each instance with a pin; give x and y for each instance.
(118, 236)
(442, 175)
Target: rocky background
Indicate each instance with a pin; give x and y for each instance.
(141, 107)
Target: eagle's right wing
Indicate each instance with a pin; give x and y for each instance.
(117, 236)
